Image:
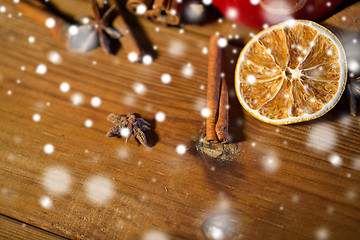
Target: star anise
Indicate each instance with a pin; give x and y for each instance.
(128, 125)
(353, 89)
(102, 25)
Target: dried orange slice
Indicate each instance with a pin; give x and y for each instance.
(291, 72)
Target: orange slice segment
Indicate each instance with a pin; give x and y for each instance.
(291, 72)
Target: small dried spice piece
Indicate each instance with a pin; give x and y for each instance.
(215, 150)
(131, 124)
(102, 25)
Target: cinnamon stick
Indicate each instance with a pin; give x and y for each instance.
(162, 12)
(39, 14)
(222, 125)
(213, 87)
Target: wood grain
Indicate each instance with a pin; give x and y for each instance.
(13, 229)
(282, 186)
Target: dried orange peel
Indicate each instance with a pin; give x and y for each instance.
(291, 72)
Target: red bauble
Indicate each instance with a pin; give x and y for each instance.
(262, 13)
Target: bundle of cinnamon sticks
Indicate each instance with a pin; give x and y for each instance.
(163, 11)
(217, 123)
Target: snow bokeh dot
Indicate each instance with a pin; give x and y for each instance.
(356, 163)
(166, 78)
(207, 2)
(54, 57)
(188, 70)
(31, 39)
(41, 69)
(56, 180)
(141, 9)
(36, 117)
(139, 88)
(132, 56)
(205, 50)
(271, 163)
(123, 153)
(46, 202)
(176, 47)
(64, 87)
(232, 13)
(85, 20)
(77, 98)
(173, 11)
(147, 59)
(321, 138)
(50, 22)
(73, 30)
(353, 66)
(49, 148)
(95, 101)
(160, 116)
(322, 234)
(254, 2)
(125, 132)
(222, 42)
(295, 198)
(88, 123)
(351, 194)
(205, 112)
(335, 160)
(181, 149)
(99, 189)
(251, 79)
(154, 235)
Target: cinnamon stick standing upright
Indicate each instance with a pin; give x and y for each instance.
(213, 87)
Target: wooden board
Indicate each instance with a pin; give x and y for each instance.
(14, 229)
(282, 186)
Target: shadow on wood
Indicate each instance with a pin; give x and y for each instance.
(138, 31)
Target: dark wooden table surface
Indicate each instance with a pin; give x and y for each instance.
(60, 176)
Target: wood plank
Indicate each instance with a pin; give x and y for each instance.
(14, 229)
(281, 186)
